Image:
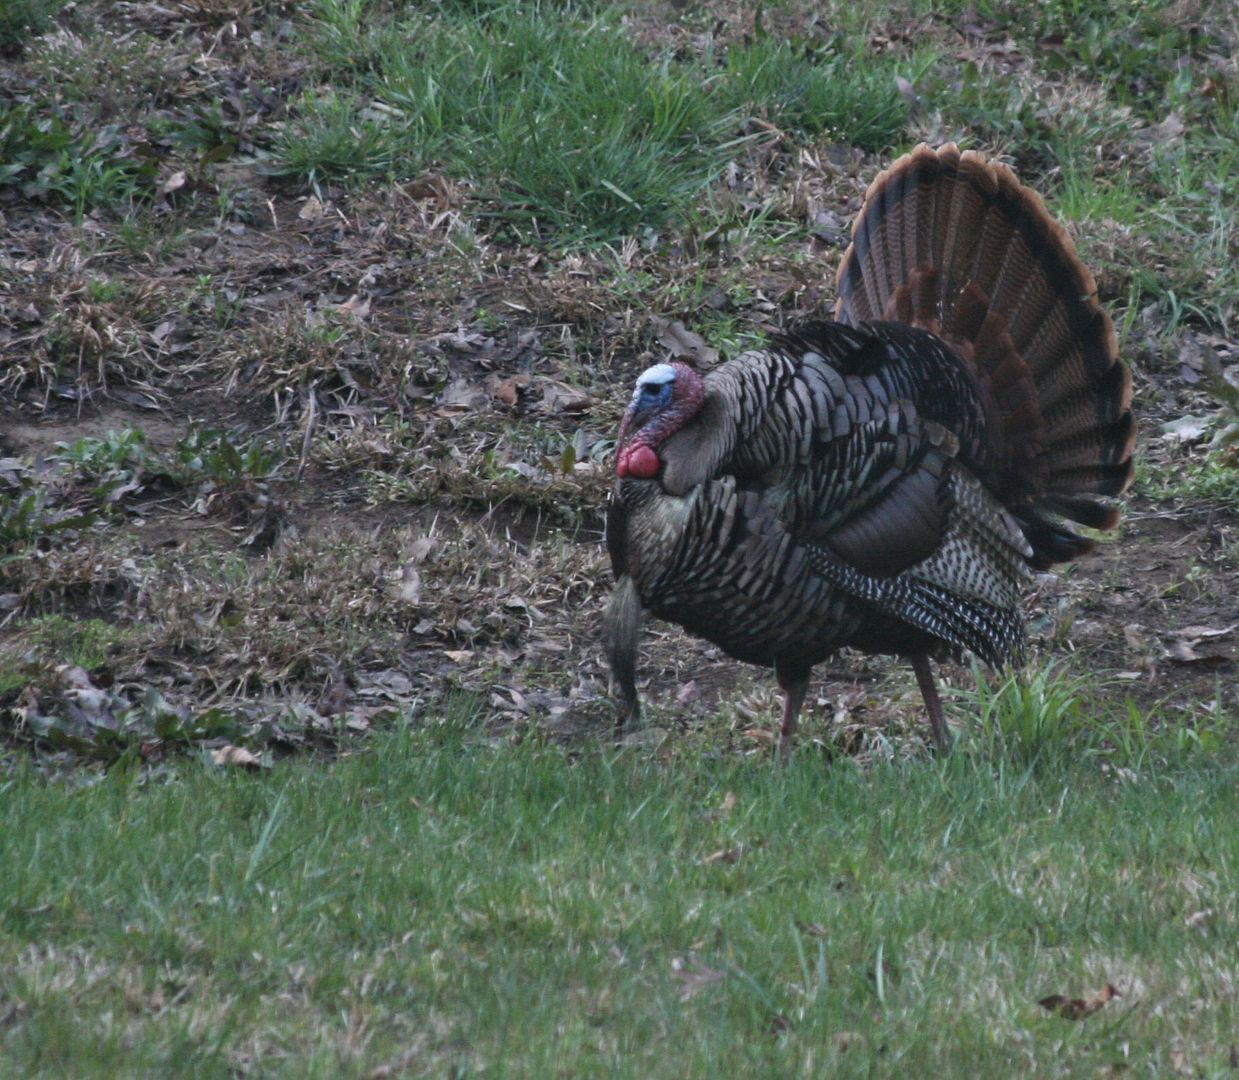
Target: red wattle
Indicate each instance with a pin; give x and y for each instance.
(641, 462)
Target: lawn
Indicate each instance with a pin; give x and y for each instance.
(316, 325)
(432, 905)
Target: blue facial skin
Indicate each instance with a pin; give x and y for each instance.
(649, 398)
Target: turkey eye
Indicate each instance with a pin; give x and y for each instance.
(650, 391)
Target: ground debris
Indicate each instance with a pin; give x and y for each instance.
(1079, 1008)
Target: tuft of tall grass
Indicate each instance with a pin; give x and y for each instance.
(560, 119)
(816, 90)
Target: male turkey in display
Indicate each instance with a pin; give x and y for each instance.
(886, 481)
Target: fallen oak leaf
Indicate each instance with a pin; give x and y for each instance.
(237, 756)
(724, 808)
(693, 975)
(727, 856)
(759, 734)
(1079, 1008)
(1183, 652)
(682, 342)
(1200, 633)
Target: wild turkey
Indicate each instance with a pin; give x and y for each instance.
(887, 480)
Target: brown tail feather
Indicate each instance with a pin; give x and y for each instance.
(954, 244)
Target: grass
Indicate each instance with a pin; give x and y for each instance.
(323, 478)
(572, 130)
(436, 906)
(21, 20)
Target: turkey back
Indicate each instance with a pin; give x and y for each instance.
(954, 244)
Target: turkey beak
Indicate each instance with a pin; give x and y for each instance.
(625, 432)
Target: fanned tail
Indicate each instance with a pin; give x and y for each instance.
(954, 244)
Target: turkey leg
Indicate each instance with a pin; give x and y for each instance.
(795, 685)
(929, 691)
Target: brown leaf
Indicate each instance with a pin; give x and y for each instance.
(1187, 429)
(558, 398)
(693, 975)
(312, 210)
(461, 395)
(687, 695)
(357, 306)
(813, 929)
(727, 856)
(410, 583)
(420, 549)
(682, 342)
(236, 756)
(1183, 652)
(1170, 129)
(509, 390)
(174, 182)
(1078, 1008)
(908, 92)
(429, 186)
(1200, 633)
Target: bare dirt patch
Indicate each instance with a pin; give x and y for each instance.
(439, 399)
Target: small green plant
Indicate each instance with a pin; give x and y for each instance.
(1027, 714)
(75, 168)
(816, 89)
(28, 518)
(334, 137)
(113, 464)
(226, 459)
(116, 452)
(21, 20)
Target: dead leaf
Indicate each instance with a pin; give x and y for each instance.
(1184, 652)
(673, 335)
(779, 1024)
(1170, 129)
(687, 695)
(429, 186)
(419, 550)
(909, 94)
(558, 398)
(1198, 918)
(830, 228)
(693, 975)
(813, 929)
(727, 856)
(1201, 633)
(410, 583)
(459, 656)
(1191, 359)
(312, 209)
(236, 756)
(462, 395)
(174, 182)
(1079, 1008)
(509, 390)
(761, 734)
(1187, 429)
(357, 306)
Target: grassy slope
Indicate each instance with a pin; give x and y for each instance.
(442, 907)
(437, 902)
